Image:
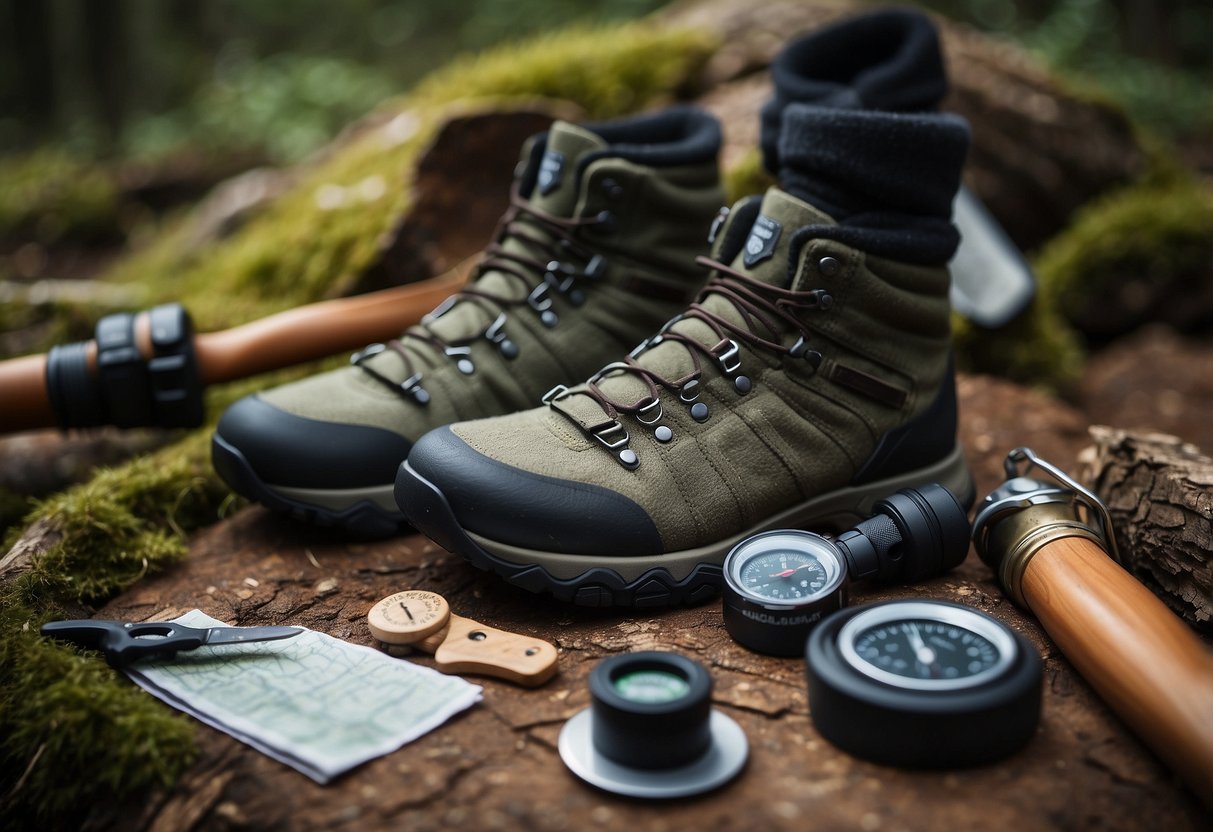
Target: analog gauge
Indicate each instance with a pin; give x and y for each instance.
(777, 585)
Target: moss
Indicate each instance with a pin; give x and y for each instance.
(1039, 348)
(303, 248)
(747, 176)
(50, 197)
(1152, 240)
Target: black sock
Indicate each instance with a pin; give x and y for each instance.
(887, 178)
(887, 60)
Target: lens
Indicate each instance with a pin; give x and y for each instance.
(651, 687)
(650, 709)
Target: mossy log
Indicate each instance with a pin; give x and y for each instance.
(1159, 491)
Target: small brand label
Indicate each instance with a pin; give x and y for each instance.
(550, 171)
(791, 621)
(761, 243)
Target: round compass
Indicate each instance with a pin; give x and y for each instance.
(777, 585)
(408, 617)
(922, 684)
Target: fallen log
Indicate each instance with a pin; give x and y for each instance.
(1159, 491)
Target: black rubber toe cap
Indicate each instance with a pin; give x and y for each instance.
(293, 451)
(519, 508)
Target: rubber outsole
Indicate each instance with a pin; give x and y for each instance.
(427, 508)
(362, 518)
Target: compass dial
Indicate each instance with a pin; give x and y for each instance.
(925, 646)
(408, 617)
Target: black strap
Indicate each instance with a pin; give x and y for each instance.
(163, 391)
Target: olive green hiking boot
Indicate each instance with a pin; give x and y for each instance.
(596, 251)
(809, 379)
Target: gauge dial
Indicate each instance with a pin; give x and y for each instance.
(784, 575)
(925, 646)
(787, 567)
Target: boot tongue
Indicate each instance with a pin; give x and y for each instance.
(556, 192)
(767, 249)
(556, 187)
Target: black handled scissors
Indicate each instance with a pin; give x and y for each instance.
(124, 642)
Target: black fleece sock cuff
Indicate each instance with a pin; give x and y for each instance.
(887, 178)
(886, 60)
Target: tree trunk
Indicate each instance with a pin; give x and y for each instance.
(1159, 491)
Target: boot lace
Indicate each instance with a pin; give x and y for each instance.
(551, 242)
(766, 313)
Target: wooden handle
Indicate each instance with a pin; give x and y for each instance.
(467, 646)
(319, 329)
(24, 403)
(1145, 663)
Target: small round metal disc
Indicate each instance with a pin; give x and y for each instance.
(628, 457)
(663, 433)
(723, 761)
(699, 412)
(743, 384)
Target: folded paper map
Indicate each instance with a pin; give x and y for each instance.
(314, 702)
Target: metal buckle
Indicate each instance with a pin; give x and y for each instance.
(496, 331)
(412, 387)
(441, 309)
(539, 299)
(614, 365)
(613, 428)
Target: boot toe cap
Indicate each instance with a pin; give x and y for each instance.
(521, 508)
(289, 450)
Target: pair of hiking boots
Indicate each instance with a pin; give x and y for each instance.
(808, 377)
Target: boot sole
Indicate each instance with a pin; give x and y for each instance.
(687, 577)
(363, 512)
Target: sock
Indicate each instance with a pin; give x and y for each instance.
(886, 60)
(888, 179)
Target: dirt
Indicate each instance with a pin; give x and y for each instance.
(496, 767)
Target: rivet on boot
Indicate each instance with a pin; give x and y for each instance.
(828, 266)
(699, 412)
(663, 434)
(629, 459)
(743, 384)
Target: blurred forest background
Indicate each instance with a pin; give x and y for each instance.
(231, 83)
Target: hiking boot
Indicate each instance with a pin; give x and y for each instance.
(810, 378)
(595, 251)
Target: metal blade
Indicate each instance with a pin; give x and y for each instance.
(236, 635)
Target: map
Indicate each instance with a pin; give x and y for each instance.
(314, 702)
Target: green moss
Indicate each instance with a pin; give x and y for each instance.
(1158, 233)
(50, 197)
(1039, 348)
(303, 248)
(75, 732)
(746, 177)
(82, 733)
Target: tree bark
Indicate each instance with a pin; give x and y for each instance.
(1159, 491)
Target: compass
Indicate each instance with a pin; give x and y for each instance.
(408, 617)
(922, 684)
(779, 584)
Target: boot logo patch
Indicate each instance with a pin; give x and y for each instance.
(550, 171)
(761, 243)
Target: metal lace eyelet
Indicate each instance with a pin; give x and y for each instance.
(366, 352)
(411, 386)
(689, 391)
(613, 436)
(596, 267)
(555, 393)
(650, 414)
(497, 337)
(441, 309)
(462, 357)
(730, 358)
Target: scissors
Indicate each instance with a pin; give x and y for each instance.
(124, 642)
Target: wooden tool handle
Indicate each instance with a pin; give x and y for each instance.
(467, 646)
(1145, 663)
